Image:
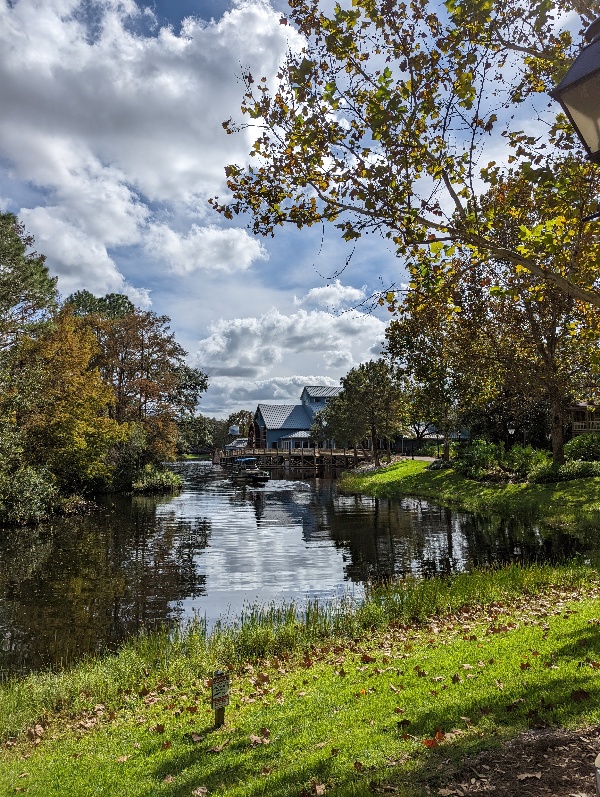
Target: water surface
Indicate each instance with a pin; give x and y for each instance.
(82, 585)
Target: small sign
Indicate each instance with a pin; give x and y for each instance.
(220, 689)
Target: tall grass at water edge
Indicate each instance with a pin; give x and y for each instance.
(189, 654)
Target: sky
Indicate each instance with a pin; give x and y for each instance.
(111, 144)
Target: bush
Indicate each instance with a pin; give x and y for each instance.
(548, 472)
(584, 447)
(155, 479)
(27, 495)
(521, 460)
(478, 459)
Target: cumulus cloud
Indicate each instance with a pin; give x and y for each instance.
(334, 296)
(204, 248)
(253, 346)
(84, 261)
(228, 394)
(113, 126)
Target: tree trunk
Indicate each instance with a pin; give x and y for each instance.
(375, 446)
(556, 428)
(446, 451)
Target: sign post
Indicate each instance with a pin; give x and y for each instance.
(220, 696)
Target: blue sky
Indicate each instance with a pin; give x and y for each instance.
(111, 145)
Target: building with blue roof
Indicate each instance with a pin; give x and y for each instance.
(286, 426)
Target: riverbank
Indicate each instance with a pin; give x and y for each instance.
(387, 697)
(574, 504)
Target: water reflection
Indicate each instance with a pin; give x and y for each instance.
(80, 585)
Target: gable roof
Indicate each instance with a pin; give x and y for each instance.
(284, 416)
(317, 391)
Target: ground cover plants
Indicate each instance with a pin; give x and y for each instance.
(374, 698)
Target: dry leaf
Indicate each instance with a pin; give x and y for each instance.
(527, 775)
(169, 779)
(256, 740)
(201, 791)
(122, 758)
(219, 747)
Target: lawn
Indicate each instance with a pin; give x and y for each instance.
(569, 502)
(362, 702)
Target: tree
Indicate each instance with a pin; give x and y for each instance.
(381, 123)
(242, 419)
(552, 337)
(501, 338)
(63, 422)
(426, 345)
(139, 357)
(27, 292)
(369, 404)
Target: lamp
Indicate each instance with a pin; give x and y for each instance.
(511, 430)
(579, 93)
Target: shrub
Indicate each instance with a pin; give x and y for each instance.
(156, 479)
(27, 495)
(521, 460)
(583, 447)
(478, 458)
(548, 472)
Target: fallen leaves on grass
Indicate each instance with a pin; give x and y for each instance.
(256, 740)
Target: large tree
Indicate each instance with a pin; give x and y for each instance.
(501, 336)
(138, 356)
(369, 404)
(381, 124)
(61, 405)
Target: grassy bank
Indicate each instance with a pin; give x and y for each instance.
(337, 701)
(574, 502)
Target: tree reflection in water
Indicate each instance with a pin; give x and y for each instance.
(81, 585)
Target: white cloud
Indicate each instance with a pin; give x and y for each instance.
(251, 347)
(83, 261)
(334, 296)
(113, 126)
(228, 394)
(204, 248)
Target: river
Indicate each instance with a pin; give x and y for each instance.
(83, 585)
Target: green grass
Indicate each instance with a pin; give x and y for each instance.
(573, 502)
(317, 700)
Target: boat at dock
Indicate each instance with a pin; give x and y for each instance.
(245, 469)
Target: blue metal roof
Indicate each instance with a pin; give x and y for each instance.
(284, 416)
(320, 390)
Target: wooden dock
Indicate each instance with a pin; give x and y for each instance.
(304, 460)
